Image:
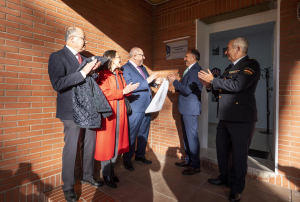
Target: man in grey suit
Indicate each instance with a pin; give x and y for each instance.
(63, 76)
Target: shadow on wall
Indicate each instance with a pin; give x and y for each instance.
(29, 188)
(121, 24)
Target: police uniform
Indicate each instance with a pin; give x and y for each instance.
(237, 115)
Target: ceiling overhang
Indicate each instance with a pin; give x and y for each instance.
(156, 2)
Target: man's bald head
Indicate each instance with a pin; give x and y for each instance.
(137, 56)
(134, 51)
(72, 31)
(75, 39)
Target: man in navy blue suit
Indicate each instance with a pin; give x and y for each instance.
(189, 105)
(139, 122)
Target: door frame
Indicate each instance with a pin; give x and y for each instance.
(202, 45)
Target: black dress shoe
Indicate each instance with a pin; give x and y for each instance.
(234, 197)
(143, 159)
(114, 177)
(182, 164)
(215, 181)
(70, 195)
(191, 171)
(93, 182)
(128, 165)
(109, 181)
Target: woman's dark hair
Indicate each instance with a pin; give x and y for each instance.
(109, 55)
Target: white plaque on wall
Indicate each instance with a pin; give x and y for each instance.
(176, 49)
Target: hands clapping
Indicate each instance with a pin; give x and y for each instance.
(91, 66)
(130, 87)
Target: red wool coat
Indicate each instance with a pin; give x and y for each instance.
(105, 142)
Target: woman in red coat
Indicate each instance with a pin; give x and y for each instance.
(112, 138)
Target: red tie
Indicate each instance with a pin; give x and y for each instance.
(79, 58)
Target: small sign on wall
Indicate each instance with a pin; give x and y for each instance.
(176, 49)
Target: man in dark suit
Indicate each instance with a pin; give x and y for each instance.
(189, 105)
(237, 114)
(139, 122)
(63, 76)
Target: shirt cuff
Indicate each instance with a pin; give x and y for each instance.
(83, 74)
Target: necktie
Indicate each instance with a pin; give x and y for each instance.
(141, 71)
(79, 58)
(185, 71)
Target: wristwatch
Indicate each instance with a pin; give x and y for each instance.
(211, 81)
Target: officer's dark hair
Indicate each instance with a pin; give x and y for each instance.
(195, 53)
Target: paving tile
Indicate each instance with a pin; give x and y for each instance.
(126, 190)
(295, 196)
(221, 190)
(203, 195)
(278, 191)
(196, 179)
(250, 195)
(145, 177)
(174, 189)
(165, 169)
(152, 196)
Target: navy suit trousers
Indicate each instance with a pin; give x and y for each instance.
(191, 141)
(139, 125)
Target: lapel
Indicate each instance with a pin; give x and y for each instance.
(136, 71)
(188, 72)
(70, 56)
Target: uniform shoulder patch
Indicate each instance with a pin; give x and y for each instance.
(248, 71)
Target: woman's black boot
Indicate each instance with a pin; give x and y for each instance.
(109, 181)
(114, 177)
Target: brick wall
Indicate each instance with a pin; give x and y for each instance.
(289, 96)
(31, 137)
(30, 30)
(175, 19)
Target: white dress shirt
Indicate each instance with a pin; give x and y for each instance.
(75, 53)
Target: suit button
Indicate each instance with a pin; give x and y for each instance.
(220, 96)
(237, 103)
(220, 90)
(225, 78)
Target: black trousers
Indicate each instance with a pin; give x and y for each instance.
(235, 138)
(87, 139)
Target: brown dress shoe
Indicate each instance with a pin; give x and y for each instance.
(191, 171)
(182, 164)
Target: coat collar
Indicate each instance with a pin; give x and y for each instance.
(71, 55)
(135, 70)
(192, 67)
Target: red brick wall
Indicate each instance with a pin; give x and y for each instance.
(30, 30)
(175, 19)
(289, 96)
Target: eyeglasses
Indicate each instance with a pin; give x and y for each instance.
(141, 55)
(83, 38)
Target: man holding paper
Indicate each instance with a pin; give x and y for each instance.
(189, 105)
(139, 122)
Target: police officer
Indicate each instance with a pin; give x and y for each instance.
(237, 114)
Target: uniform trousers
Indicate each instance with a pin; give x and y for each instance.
(235, 138)
(87, 139)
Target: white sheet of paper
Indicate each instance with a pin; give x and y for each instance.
(159, 99)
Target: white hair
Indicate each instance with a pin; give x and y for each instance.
(70, 31)
(242, 43)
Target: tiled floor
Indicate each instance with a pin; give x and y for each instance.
(162, 181)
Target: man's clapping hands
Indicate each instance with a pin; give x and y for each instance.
(130, 87)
